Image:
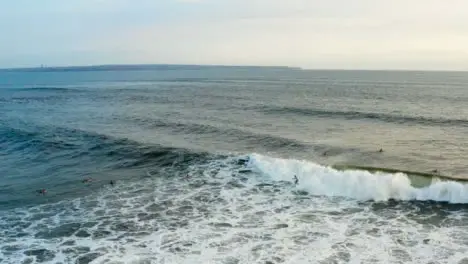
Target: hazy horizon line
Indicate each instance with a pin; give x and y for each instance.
(149, 66)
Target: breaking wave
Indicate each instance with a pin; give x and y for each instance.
(356, 184)
(253, 208)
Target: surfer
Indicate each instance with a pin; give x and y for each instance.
(435, 171)
(112, 182)
(42, 191)
(243, 161)
(296, 180)
(325, 153)
(87, 180)
(381, 150)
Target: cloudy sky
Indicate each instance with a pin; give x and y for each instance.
(344, 34)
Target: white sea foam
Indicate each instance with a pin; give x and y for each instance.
(222, 216)
(356, 184)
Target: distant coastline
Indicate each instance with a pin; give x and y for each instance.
(173, 67)
(138, 67)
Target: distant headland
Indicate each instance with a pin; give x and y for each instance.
(139, 67)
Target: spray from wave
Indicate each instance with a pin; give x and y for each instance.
(356, 184)
(252, 207)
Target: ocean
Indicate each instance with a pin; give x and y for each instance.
(193, 164)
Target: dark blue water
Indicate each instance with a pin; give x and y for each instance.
(178, 131)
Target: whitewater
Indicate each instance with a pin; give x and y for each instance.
(198, 165)
(253, 213)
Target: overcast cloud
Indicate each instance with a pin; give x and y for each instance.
(345, 34)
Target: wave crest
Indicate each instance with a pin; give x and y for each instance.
(362, 185)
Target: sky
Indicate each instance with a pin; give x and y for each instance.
(315, 34)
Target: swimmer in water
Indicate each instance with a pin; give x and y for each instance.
(381, 150)
(42, 191)
(296, 180)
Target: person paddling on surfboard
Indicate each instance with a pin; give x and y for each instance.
(87, 180)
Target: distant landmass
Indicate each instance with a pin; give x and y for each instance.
(138, 67)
